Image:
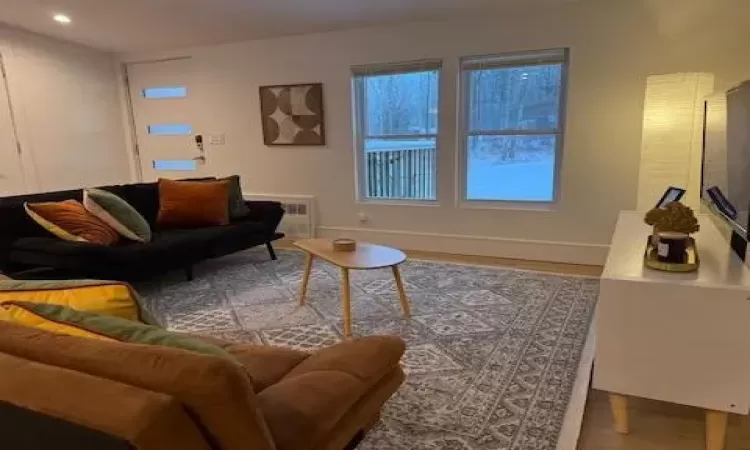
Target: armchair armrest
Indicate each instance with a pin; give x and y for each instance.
(268, 212)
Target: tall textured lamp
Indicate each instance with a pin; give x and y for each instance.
(672, 136)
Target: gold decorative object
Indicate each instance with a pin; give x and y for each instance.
(671, 248)
(674, 217)
(691, 264)
(344, 245)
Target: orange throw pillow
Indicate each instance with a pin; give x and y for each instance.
(69, 220)
(187, 204)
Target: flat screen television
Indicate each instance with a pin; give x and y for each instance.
(725, 173)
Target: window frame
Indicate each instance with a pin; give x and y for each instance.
(359, 118)
(168, 92)
(169, 129)
(155, 163)
(513, 59)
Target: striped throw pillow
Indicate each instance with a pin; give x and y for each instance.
(70, 221)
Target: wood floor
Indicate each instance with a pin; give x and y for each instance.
(654, 426)
(542, 266)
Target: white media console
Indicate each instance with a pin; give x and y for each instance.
(679, 338)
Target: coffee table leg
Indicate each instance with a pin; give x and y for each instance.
(346, 303)
(401, 293)
(305, 278)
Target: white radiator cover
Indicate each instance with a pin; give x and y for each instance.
(299, 220)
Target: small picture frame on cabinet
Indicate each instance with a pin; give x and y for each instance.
(672, 194)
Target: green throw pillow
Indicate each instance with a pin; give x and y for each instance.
(237, 206)
(118, 214)
(125, 330)
(236, 202)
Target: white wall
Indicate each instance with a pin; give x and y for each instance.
(65, 99)
(614, 47)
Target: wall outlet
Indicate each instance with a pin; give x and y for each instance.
(217, 139)
(363, 218)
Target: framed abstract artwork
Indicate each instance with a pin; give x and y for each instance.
(293, 114)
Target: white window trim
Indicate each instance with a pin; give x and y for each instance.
(509, 60)
(358, 98)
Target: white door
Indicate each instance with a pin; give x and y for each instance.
(164, 115)
(12, 181)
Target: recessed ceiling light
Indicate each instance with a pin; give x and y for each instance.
(62, 18)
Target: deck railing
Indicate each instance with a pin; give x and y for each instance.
(407, 173)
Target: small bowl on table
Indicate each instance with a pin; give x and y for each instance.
(344, 245)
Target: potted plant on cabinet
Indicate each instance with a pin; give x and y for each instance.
(673, 225)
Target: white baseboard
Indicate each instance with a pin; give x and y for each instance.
(529, 249)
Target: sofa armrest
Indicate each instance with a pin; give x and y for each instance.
(344, 384)
(81, 411)
(268, 212)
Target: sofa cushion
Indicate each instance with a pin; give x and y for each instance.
(67, 254)
(144, 197)
(236, 202)
(382, 353)
(364, 415)
(164, 244)
(216, 392)
(168, 249)
(16, 223)
(210, 234)
(117, 213)
(93, 324)
(17, 312)
(266, 365)
(70, 221)
(108, 297)
(52, 409)
(188, 204)
(307, 404)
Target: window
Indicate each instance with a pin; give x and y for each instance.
(512, 125)
(175, 164)
(165, 92)
(396, 108)
(170, 129)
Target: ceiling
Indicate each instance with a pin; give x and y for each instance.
(132, 25)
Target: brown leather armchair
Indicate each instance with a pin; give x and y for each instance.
(64, 392)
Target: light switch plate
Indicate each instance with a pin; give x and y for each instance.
(218, 139)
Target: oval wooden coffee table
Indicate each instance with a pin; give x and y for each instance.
(365, 257)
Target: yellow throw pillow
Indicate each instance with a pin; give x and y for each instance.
(107, 297)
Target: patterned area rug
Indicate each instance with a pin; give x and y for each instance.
(492, 353)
